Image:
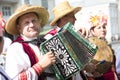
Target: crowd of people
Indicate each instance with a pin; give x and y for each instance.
(23, 59)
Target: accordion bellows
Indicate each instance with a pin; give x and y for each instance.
(73, 52)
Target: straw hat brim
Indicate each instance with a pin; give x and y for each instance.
(76, 9)
(11, 26)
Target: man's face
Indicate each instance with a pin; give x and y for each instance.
(99, 31)
(65, 19)
(29, 25)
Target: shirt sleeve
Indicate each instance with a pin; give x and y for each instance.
(18, 65)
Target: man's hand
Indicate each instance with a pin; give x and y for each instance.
(47, 60)
(84, 32)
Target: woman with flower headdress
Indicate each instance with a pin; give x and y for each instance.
(98, 22)
(102, 67)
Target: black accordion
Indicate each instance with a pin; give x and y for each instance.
(73, 52)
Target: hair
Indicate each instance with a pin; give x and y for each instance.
(92, 28)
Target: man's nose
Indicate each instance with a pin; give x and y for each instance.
(31, 23)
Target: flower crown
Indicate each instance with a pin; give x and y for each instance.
(98, 20)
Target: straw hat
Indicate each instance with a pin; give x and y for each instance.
(40, 11)
(61, 10)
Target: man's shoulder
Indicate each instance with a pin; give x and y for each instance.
(7, 39)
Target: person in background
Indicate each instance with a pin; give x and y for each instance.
(24, 60)
(1, 37)
(98, 25)
(1, 40)
(64, 13)
(3, 75)
(7, 40)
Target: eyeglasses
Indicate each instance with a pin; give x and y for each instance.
(34, 21)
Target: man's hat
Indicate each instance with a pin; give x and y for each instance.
(40, 11)
(61, 10)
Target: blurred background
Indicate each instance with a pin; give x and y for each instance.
(111, 8)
